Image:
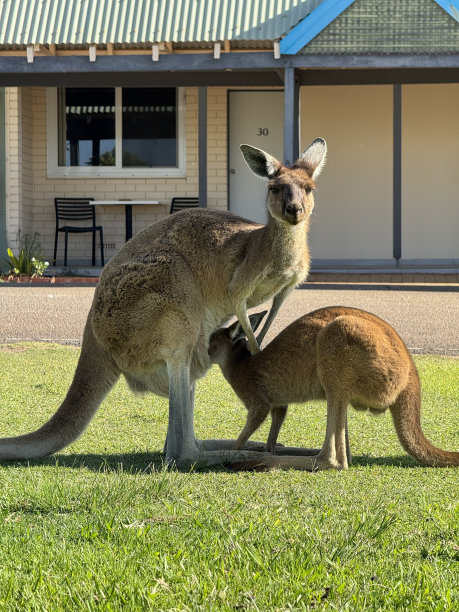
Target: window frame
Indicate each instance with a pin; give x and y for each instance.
(56, 171)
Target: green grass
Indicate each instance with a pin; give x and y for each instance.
(102, 526)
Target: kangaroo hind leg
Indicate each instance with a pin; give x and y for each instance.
(335, 452)
(257, 413)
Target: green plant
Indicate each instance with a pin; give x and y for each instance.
(30, 261)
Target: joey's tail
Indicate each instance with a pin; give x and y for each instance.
(406, 414)
(95, 375)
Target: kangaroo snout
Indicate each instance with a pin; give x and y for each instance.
(293, 209)
(294, 213)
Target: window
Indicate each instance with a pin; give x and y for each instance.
(86, 124)
(108, 131)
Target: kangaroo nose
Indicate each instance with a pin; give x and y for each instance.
(291, 209)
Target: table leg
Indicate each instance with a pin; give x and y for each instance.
(128, 211)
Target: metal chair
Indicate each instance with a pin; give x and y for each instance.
(77, 209)
(182, 203)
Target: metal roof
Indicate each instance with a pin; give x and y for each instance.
(83, 22)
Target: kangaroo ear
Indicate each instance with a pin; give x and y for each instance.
(256, 318)
(235, 330)
(313, 157)
(259, 162)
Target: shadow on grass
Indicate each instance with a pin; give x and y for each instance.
(154, 462)
(97, 462)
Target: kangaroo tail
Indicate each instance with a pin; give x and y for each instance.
(406, 414)
(95, 375)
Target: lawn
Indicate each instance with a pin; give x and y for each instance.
(102, 526)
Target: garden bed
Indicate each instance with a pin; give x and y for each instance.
(47, 280)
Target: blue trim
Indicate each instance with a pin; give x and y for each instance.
(451, 7)
(312, 25)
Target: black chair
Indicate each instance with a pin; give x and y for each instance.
(182, 203)
(77, 209)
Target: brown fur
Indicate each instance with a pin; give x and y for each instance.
(166, 291)
(340, 354)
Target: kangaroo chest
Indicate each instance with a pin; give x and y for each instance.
(277, 276)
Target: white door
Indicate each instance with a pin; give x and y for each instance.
(255, 118)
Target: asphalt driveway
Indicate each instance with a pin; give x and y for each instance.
(427, 317)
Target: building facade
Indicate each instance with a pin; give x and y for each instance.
(153, 102)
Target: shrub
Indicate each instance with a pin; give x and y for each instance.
(30, 261)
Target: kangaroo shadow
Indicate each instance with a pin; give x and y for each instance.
(151, 462)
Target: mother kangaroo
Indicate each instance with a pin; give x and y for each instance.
(160, 298)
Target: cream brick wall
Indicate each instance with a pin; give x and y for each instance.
(32, 193)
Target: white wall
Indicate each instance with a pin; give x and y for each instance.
(430, 171)
(353, 213)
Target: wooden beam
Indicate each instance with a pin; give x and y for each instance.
(63, 68)
(227, 46)
(53, 49)
(110, 48)
(291, 115)
(397, 173)
(169, 47)
(202, 145)
(42, 49)
(3, 145)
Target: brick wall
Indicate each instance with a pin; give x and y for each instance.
(31, 192)
(217, 148)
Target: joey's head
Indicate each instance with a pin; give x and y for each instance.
(222, 348)
(290, 190)
(228, 344)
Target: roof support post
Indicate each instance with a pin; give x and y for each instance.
(202, 145)
(291, 115)
(3, 244)
(397, 174)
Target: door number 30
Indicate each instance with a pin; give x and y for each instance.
(262, 132)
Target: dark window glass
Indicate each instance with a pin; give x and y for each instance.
(86, 127)
(149, 127)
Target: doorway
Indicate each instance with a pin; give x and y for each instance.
(255, 118)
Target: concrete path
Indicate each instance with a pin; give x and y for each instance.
(425, 315)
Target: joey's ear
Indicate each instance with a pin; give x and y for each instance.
(235, 331)
(313, 157)
(259, 162)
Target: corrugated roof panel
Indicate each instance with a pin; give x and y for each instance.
(79, 22)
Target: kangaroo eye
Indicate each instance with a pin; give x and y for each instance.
(308, 190)
(273, 189)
